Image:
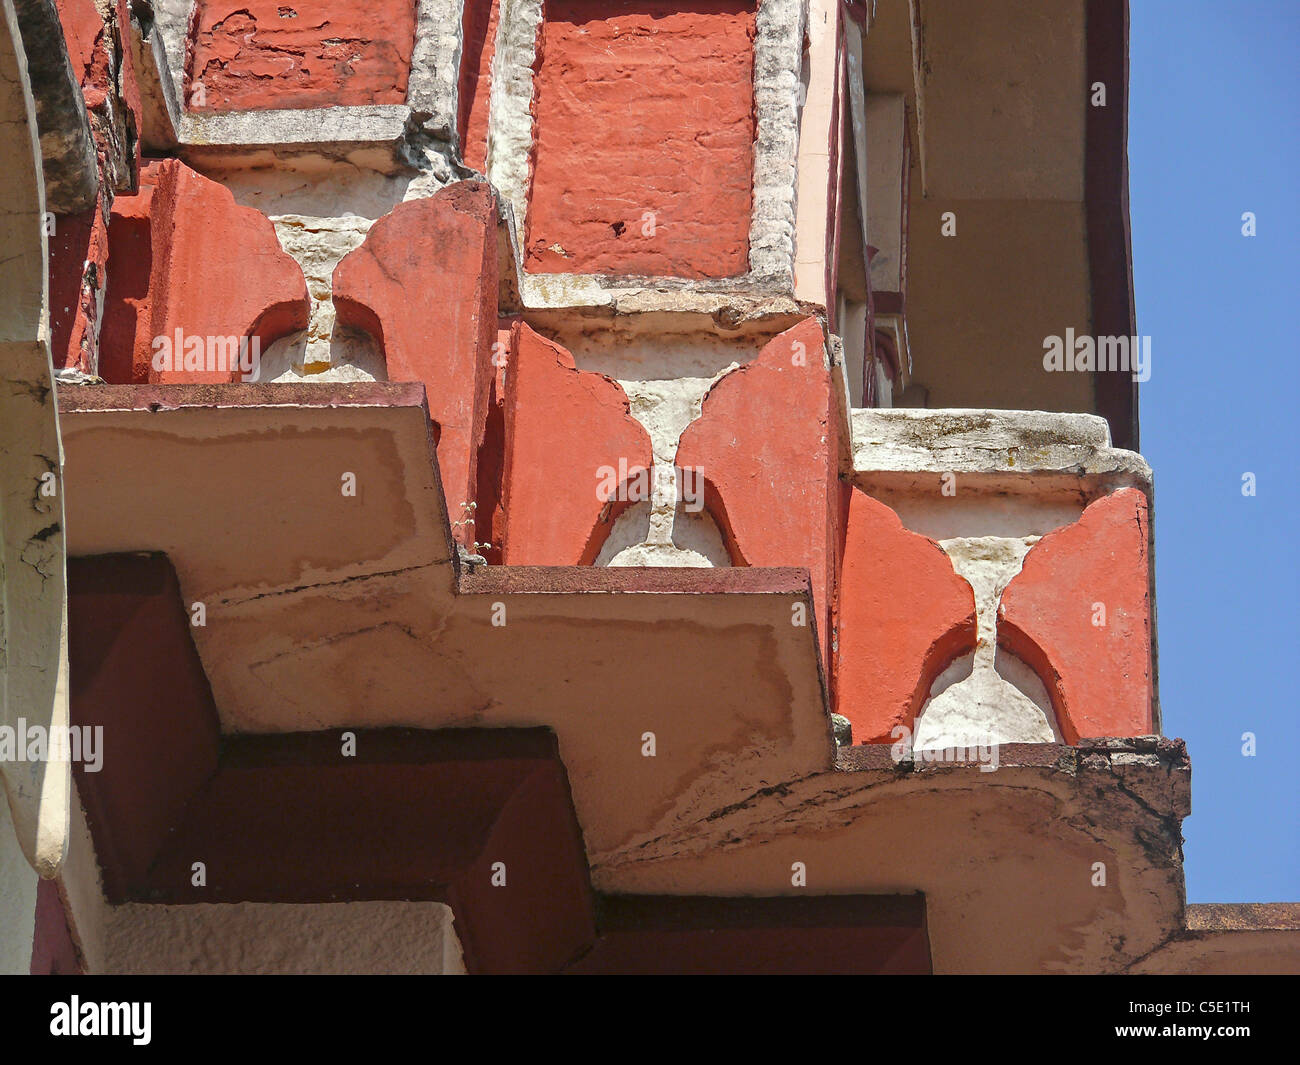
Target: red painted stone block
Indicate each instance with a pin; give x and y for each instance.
(83, 30)
(565, 430)
(98, 38)
(246, 55)
(766, 446)
(424, 285)
(643, 141)
(184, 256)
(479, 37)
(905, 616)
(78, 267)
(1079, 613)
(135, 673)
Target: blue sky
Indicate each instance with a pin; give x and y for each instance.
(1214, 112)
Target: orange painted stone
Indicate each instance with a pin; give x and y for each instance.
(83, 26)
(78, 266)
(767, 449)
(187, 263)
(644, 138)
(905, 616)
(245, 55)
(569, 435)
(478, 35)
(424, 285)
(103, 64)
(1079, 614)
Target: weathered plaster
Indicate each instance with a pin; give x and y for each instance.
(33, 649)
(884, 174)
(82, 889)
(983, 706)
(360, 186)
(67, 148)
(17, 900)
(665, 378)
(996, 450)
(245, 55)
(969, 839)
(350, 616)
(318, 244)
(430, 106)
(777, 53)
(159, 109)
(347, 938)
(672, 193)
(1248, 938)
(435, 66)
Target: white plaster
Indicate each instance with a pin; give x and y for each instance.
(314, 187)
(665, 378)
(884, 386)
(895, 327)
(433, 86)
(83, 890)
(347, 355)
(510, 120)
(33, 615)
(971, 473)
(344, 127)
(997, 450)
(158, 104)
(971, 513)
(853, 35)
(862, 155)
(344, 938)
(171, 21)
(983, 706)
(318, 244)
(778, 60)
(17, 900)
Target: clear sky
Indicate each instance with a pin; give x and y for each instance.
(1214, 111)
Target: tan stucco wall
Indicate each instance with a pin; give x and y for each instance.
(370, 938)
(980, 303)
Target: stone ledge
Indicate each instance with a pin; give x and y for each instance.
(103, 397)
(907, 447)
(1243, 917)
(309, 129)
